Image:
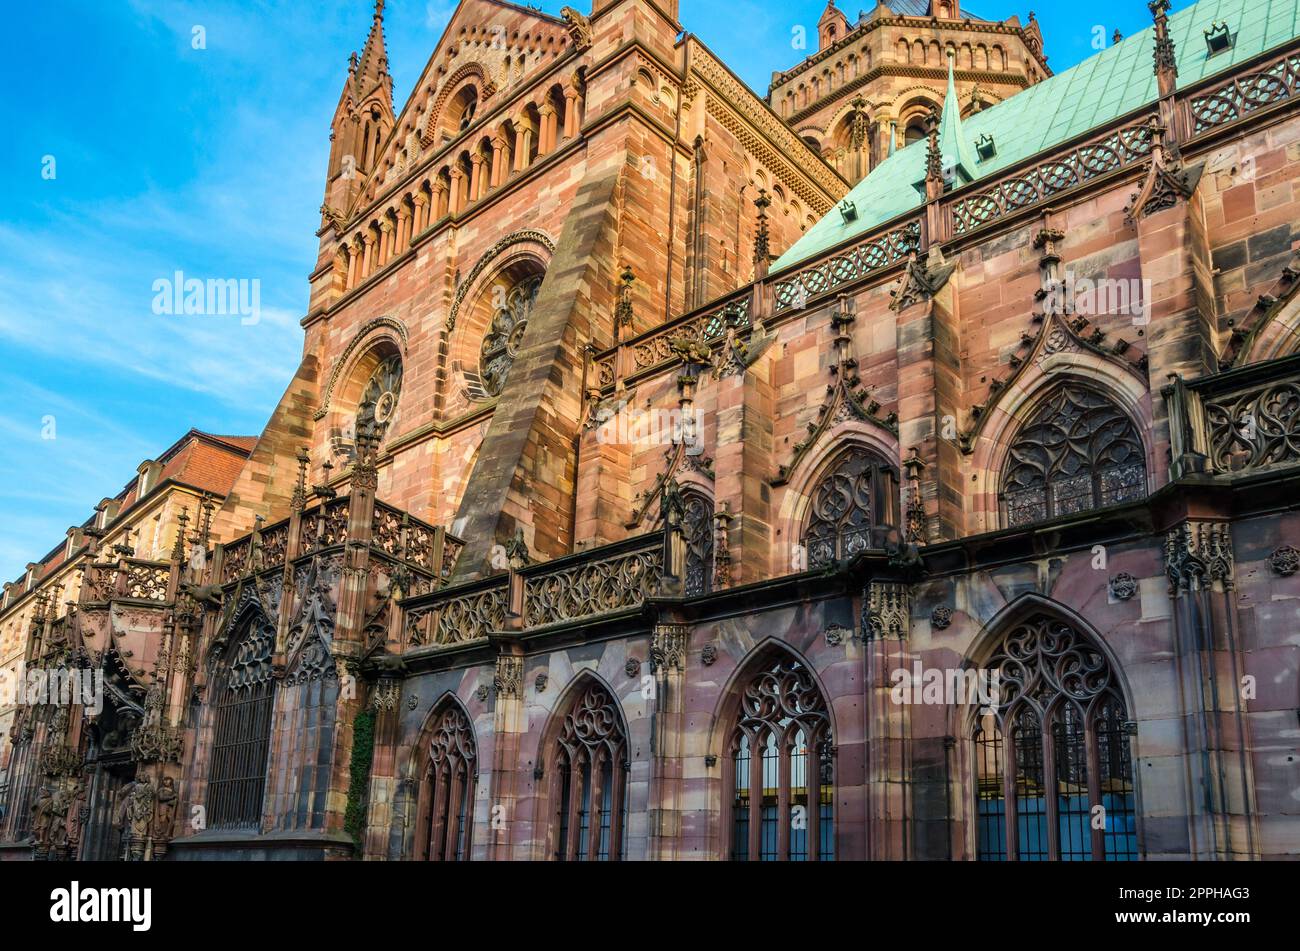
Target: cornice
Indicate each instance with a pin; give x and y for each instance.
(956, 26)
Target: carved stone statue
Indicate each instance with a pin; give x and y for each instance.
(166, 815)
(42, 816)
(579, 27)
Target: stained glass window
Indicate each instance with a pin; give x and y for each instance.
(451, 779)
(590, 764)
(1078, 452)
(854, 507)
(1060, 711)
(502, 340)
(242, 733)
(782, 769)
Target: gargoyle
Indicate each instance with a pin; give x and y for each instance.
(692, 351)
(208, 595)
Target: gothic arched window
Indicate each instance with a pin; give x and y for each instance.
(379, 399)
(1078, 452)
(449, 794)
(1064, 788)
(501, 342)
(697, 529)
(854, 507)
(242, 732)
(781, 770)
(589, 791)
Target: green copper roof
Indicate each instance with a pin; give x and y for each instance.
(955, 150)
(1103, 87)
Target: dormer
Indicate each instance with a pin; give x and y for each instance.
(147, 475)
(105, 512)
(75, 541)
(32, 576)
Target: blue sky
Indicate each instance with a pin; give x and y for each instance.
(211, 162)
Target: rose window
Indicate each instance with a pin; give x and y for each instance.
(501, 342)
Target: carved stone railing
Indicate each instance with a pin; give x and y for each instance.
(458, 615)
(144, 580)
(874, 254)
(1242, 95)
(1253, 425)
(236, 562)
(1112, 151)
(1243, 420)
(275, 545)
(324, 527)
(652, 350)
(101, 582)
(610, 579)
(590, 584)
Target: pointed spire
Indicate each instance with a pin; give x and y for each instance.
(1166, 64)
(952, 139)
(372, 67)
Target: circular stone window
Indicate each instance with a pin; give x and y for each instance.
(379, 399)
(501, 342)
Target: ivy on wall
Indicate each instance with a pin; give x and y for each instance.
(363, 748)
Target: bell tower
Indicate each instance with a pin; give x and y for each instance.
(362, 119)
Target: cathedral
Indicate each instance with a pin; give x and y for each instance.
(898, 466)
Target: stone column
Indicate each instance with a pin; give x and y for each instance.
(1208, 662)
(476, 177)
(354, 264)
(523, 146)
(668, 650)
(367, 252)
(571, 97)
(546, 138)
(499, 170)
(508, 724)
(457, 198)
(886, 625)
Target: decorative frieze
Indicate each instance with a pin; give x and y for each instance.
(886, 610)
(509, 678)
(668, 647)
(1197, 554)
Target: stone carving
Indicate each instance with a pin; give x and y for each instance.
(886, 610)
(540, 683)
(633, 667)
(708, 655)
(941, 617)
(165, 817)
(509, 678)
(1123, 586)
(1198, 554)
(579, 27)
(921, 281)
(668, 647)
(1285, 561)
(386, 695)
(837, 634)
